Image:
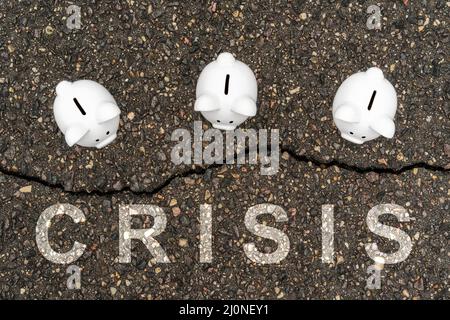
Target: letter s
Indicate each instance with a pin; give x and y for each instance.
(266, 232)
(388, 232)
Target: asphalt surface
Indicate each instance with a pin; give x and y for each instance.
(148, 54)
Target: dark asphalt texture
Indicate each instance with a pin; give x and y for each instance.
(424, 274)
(149, 54)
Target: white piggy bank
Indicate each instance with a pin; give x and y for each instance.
(364, 107)
(86, 113)
(226, 92)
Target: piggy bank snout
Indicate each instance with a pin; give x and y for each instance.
(224, 126)
(106, 141)
(350, 138)
(224, 120)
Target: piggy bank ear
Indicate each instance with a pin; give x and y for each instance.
(107, 111)
(245, 106)
(63, 87)
(347, 114)
(206, 102)
(384, 126)
(74, 134)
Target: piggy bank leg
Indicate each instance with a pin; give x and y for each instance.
(384, 126)
(74, 134)
(347, 113)
(206, 103)
(245, 106)
(107, 111)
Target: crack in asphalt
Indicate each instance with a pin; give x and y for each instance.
(364, 170)
(201, 170)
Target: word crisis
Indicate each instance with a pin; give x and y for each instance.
(147, 236)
